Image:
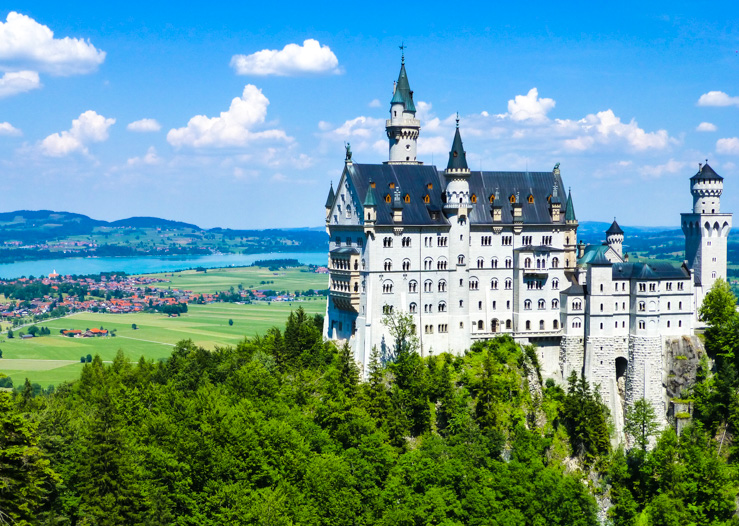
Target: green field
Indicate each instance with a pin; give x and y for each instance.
(248, 277)
(55, 358)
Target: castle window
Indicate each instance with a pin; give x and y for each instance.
(494, 284)
(508, 283)
(528, 325)
(492, 198)
(555, 284)
(428, 285)
(668, 324)
(441, 264)
(387, 287)
(480, 263)
(531, 199)
(555, 262)
(541, 325)
(429, 186)
(473, 199)
(461, 303)
(642, 324)
(388, 265)
(479, 305)
(494, 263)
(412, 286)
(576, 323)
(407, 198)
(388, 198)
(601, 328)
(426, 199)
(406, 264)
(680, 286)
(442, 286)
(642, 306)
(392, 186)
(713, 275)
(668, 305)
(508, 263)
(461, 325)
(512, 199)
(555, 304)
(680, 323)
(642, 287)
(428, 264)
(412, 308)
(460, 260)
(555, 325)
(542, 305)
(373, 184)
(406, 242)
(527, 305)
(576, 305)
(442, 306)
(527, 263)
(387, 242)
(474, 285)
(442, 327)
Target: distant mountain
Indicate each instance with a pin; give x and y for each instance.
(151, 222)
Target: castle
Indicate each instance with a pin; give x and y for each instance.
(474, 254)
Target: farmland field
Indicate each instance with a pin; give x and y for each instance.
(55, 358)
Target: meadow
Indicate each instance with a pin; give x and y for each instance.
(52, 359)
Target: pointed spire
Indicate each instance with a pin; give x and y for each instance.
(570, 212)
(369, 199)
(403, 94)
(614, 229)
(457, 156)
(331, 197)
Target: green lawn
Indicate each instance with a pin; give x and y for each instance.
(249, 277)
(53, 359)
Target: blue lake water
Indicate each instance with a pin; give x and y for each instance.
(148, 264)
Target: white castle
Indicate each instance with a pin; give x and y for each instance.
(474, 254)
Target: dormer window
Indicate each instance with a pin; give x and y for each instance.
(473, 199)
(387, 198)
(426, 199)
(392, 186)
(549, 198)
(531, 199)
(512, 199)
(454, 154)
(492, 198)
(373, 184)
(407, 198)
(429, 186)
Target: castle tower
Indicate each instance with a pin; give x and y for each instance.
(615, 238)
(706, 231)
(570, 231)
(457, 208)
(402, 127)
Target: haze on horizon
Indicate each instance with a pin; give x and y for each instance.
(236, 116)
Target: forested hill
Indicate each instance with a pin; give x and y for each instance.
(280, 431)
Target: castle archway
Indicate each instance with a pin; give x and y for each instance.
(622, 365)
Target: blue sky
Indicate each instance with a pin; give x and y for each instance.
(241, 111)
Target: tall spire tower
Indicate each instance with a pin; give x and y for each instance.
(402, 127)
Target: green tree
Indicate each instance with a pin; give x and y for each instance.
(27, 477)
(10, 333)
(719, 312)
(33, 330)
(88, 358)
(230, 322)
(641, 423)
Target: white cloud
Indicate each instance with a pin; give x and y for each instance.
(232, 128)
(8, 129)
(706, 127)
(144, 125)
(25, 41)
(14, 82)
(717, 98)
(88, 128)
(375, 103)
(728, 146)
(150, 158)
(656, 171)
(605, 128)
(293, 59)
(529, 107)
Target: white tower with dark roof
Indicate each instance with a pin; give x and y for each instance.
(402, 127)
(706, 231)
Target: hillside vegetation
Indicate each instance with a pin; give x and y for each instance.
(279, 430)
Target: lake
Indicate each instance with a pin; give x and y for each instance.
(147, 264)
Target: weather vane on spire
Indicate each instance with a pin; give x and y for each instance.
(457, 119)
(402, 47)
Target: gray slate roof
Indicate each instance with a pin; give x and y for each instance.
(457, 156)
(648, 271)
(706, 172)
(614, 229)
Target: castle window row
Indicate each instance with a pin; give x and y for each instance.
(428, 241)
(542, 325)
(541, 304)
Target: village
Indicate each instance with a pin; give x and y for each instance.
(32, 299)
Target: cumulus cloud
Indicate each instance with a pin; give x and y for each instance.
(15, 82)
(530, 107)
(150, 158)
(26, 42)
(233, 127)
(144, 125)
(706, 127)
(717, 98)
(293, 59)
(605, 128)
(8, 129)
(728, 146)
(656, 171)
(88, 128)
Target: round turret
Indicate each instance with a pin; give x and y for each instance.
(706, 187)
(615, 237)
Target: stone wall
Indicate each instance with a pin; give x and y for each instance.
(571, 355)
(644, 374)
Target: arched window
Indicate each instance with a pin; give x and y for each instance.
(494, 284)
(508, 283)
(428, 285)
(542, 305)
(642, 306)
(492, 198)
(555, 325)
(473, 199)
(406, 264)
(387, 287)
(442, 306)
(555, 304)
(460, 260)
(531, 199)
(541, 325)
(407, 198)
(555, 262)
(481, 325)
(388, 198)
(577, 305)
(412, 308)
(508, 263)
(642, 324)
(494, 263)
(412, 286)
(527, 263)
(388, 265)
(474, 285)
(555, 284)
(528, 325)
(426, 199)
(527, 304)
(442, 286)
(512, 199)
(441, 264)
(480, 263)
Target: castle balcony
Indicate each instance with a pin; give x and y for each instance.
(400, 122)
(536, 271)
(347, 301)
